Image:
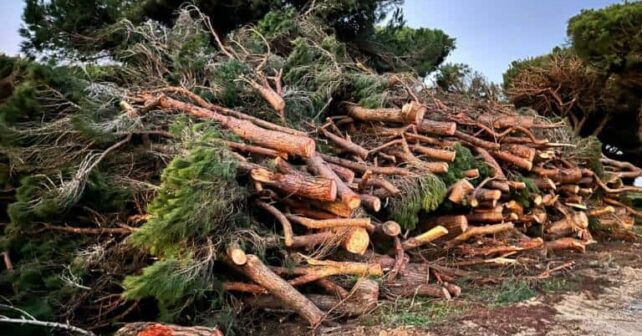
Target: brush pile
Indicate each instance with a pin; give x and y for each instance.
(278, 173)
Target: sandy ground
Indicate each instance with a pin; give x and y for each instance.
(606, 302)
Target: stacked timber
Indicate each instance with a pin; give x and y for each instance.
(332, 207)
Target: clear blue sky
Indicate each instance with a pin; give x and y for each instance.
(490, 33)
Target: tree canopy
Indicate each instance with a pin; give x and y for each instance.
(90, 29)
(595, 82)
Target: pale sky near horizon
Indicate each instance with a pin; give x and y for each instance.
(490, 33)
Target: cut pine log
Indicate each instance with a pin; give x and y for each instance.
(424, 238)
(507, 121)
(389, 228)
(566, 244)
(337, 208)
(411, 113)
(474, 231)
(330, 223)
(513, 159)
(559, 175)
(437, 127)
(280, 289)
(285, 223)
(362, 299)
(363, 167)
(357, 241)
(318, 188)
(460, 190)
(346, 195)
(601, 211)
(279, 141)
(413, 279)
(575, 222)
(345, 144)
(471, 173)
(437, 154)
(485, 217)
(236, 255)
(159, 329)
(504, 249)
(241, 147)
(477, 142)
(370, 202)
(498, 173)
(345, 174)
(432, 167)
(455, 225)
(525, 152)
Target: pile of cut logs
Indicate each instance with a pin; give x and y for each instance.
(330, 207)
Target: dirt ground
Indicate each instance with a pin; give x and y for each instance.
(600, 296)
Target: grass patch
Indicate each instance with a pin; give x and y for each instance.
(555, 285)
(417, 312)
(510, 291)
